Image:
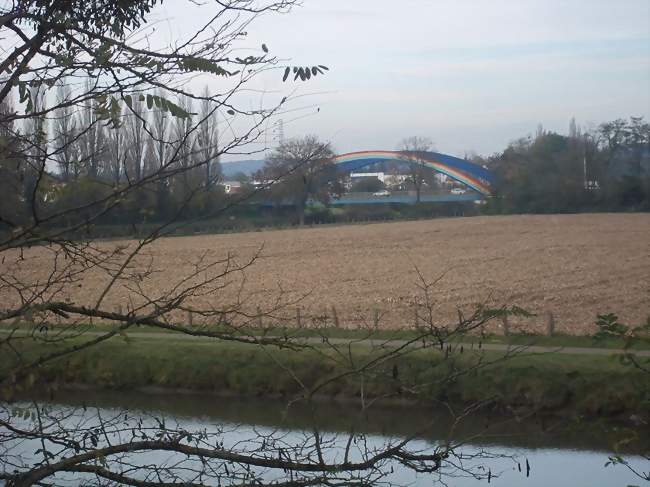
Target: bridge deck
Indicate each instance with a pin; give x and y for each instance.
(409, 199)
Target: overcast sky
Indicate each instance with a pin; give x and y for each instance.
(470, 74)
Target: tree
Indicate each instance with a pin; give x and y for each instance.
(542, 175)
(207, 140)
(92, 139)
(12, 166)
(136, 141)
(35, 156)
(414, 150)
(367, 185)
(116, 150)
(65, 134)
(163, 159)
(614, 133)
(302, 169)
(183, 134)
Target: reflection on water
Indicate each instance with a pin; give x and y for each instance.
(558, 454)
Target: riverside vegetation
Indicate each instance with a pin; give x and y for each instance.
(551, 383)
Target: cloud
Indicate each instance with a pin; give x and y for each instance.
(432, 67)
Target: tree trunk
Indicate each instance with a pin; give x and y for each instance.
(300, 209)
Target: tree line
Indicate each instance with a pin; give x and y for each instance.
(604, 169)
(87, 157)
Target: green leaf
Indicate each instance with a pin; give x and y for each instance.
(22, 89)
(175, 110)
(202, 65)
(103, 54)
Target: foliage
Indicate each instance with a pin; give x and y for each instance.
(414, 149)
(300, 170)
(610, 327)
(367, 185)
(580, 385)
(606, 169)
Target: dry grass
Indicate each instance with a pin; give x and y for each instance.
(573, 266)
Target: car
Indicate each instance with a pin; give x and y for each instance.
(383, 192)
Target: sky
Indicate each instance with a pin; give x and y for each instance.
(472, 75)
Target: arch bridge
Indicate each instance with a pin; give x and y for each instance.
(467, 173)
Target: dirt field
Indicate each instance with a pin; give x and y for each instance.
(573, 266)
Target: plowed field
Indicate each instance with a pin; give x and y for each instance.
(571, 266)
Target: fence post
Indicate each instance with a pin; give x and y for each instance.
(336, 317)
(375, 319)
(551, 324)
(506, 325)
(259, 317)
(298, 318)
(190, 318)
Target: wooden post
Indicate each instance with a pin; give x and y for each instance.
(336, 317)
(298, 319)
(259, 317)
(375, 319)
(506, 325)
(551, 324)
(190, 318)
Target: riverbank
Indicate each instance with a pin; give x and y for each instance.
(575, 385)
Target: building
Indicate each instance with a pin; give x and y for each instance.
(231, 187)
(355, 176)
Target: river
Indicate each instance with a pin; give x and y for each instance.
(557, 453)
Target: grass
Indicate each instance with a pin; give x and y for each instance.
(578, 385)
(555, 341)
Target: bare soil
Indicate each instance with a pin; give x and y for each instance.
(565, 268)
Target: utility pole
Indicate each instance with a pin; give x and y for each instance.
(584, 162)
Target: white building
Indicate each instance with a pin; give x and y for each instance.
(362, 175)
(231, 187)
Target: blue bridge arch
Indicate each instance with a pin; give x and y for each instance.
(467, 173)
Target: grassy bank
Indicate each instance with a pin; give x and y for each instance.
(579, 385)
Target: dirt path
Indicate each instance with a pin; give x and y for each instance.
(492, 347)
(344, 342)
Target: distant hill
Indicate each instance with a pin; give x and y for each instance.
(248, 167)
